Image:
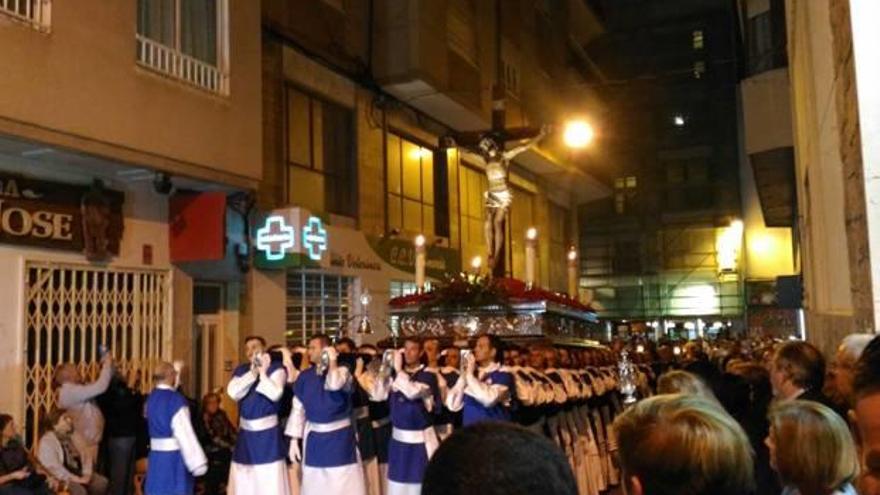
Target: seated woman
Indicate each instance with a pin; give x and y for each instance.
(811, 449)
(64, 460)
(18, 474)
(218, 443)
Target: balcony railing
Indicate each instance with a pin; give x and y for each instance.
(174, 63)
(33, 12)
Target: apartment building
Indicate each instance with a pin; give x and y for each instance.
(352, 123)
(129, 134)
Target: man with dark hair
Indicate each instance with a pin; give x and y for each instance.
(258, 459)
(414, 397)
(360, 407)
(866, 391)
(380, 414)
(797, 371)
(487, 393)
(256, 339)
(322, 419)
(498, 458)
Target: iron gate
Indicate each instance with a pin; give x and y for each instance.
(72, 309)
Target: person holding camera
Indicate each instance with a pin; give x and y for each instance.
(78, 398)
(322, 420)
(258, 465)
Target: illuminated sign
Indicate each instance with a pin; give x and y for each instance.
(275, 238)
(315, 238)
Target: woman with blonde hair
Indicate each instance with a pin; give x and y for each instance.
(683, 382)
(827, 466)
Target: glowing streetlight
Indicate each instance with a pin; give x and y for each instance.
(578, 134)
(678, 120)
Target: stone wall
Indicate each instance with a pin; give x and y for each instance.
(850, 149)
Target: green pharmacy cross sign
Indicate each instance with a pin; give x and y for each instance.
(315, 238)
(275, 238)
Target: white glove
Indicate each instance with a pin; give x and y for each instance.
(294, 454)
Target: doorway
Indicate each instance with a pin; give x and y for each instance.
(207, 338)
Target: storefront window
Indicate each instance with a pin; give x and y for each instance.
(316, 303)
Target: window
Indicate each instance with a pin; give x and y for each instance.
(322, 174)
(546, 35)
(511, 77)
(559, 244)
(624, 193)
(699, 69)
(33, 12)
(760, 33)
(510, 67)
(461, 29)
(316, 303)
(413, 184)
(522, 216)
(627, 257)
(472, 184)
(185, 39)
(698, 39)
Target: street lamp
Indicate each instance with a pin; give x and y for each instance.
(578, 134)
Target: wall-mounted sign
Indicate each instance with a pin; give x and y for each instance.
(315, 238)
(401, 254)
(275, 238)
(61, 216)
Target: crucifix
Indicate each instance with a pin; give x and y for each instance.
(489, 150)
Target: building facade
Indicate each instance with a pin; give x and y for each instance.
(114, 117)
(767, 185)
(834, 103)
(665, 249)
(352, 124)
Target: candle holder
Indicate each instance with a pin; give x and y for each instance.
(627, 379)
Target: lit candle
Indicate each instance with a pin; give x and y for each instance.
(572, 273)
(531, 255)
(476, 263)
(420, 262)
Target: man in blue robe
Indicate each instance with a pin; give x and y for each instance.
(414, 399)
(483, 394)
(322, 418)
(175, 453)
(258, 466)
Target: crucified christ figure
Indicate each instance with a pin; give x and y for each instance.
(491, 154)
